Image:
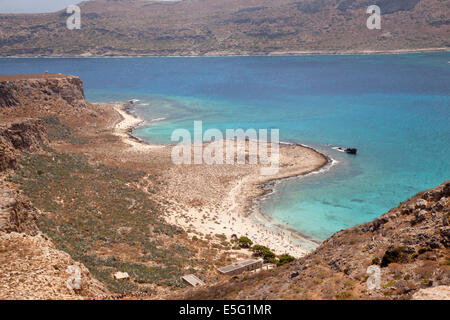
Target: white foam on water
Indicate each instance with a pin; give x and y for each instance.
(158, 119)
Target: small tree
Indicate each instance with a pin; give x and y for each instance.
(245, 242)
(258, 250)
(263, 251)
(285, 258)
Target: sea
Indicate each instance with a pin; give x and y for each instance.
(394, 108)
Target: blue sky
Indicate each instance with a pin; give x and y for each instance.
(34, 6)
(38, 6)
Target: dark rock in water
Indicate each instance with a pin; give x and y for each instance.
(351, 150)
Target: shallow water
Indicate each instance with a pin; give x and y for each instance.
(394, 108)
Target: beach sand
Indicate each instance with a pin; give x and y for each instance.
(206, 200)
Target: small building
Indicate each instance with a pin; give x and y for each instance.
(241, 266)
(265, 267)
(121, 275)
(269, 266)
(193, 280)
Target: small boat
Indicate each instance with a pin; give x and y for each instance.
(351, 150)
(346, 150)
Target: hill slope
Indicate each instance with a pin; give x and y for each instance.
(410, 244)
(32, 267)
(206, 27)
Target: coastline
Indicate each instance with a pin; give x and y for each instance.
(237, 211)
(254, 211)
(124, 129)
(100, 198)
(238, 54)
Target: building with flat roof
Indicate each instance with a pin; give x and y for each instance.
(241, 266)
(193, 280)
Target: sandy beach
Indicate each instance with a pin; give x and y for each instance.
(206, 200)
(124, 127)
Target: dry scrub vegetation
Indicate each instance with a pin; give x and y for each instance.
(96, 203)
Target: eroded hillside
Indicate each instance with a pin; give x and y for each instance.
(410, 244)
(31, 266)
(199, 27)
(73, 194)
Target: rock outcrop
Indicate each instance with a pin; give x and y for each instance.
(434, 293)
(29, 135)
(8, 158)
(32, 268)
(41, 89)
(16, 214)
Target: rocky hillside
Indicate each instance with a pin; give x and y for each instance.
(410, 244)
(206, 27)
(41, 89)
(31, 266)
(29, 135)
(80, 191)
(20, 96)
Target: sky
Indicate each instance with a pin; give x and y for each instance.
(37, 6)
(34, 6)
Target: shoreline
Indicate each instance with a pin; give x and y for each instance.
(269, 188)
(246, 213)
(125, 127)
(234, 54)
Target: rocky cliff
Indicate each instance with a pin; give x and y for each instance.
(29, 135)
(410, 245)
(17, 214)
(31, 266)
(41, 89)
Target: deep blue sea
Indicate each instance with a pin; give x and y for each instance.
(394, 108)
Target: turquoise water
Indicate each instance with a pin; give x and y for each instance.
(394, 108)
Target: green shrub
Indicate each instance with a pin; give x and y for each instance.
(388, 284)
(285, 258)
(266, 253)
(222, 237)
(396, 255)
(55, 129)
(245, 242)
